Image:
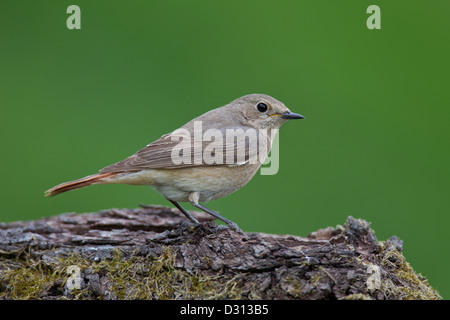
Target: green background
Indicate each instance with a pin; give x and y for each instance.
(374, 144)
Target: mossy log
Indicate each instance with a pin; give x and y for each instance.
(152, 253)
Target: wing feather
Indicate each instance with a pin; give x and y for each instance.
(161, 153)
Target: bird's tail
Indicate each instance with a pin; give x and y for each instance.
(80, 183)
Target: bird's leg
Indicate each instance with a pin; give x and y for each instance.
(183, 211)
(193, 199)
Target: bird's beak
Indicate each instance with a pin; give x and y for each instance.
(291, 115)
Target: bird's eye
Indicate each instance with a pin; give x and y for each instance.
(261, 107)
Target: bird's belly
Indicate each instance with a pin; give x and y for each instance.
(211, 182)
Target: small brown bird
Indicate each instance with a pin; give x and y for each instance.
(208, 158)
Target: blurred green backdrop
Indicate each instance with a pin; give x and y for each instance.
(374, 144)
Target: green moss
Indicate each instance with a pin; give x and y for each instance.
(158, 278)
(408, 285)
(18, 282)
(29, 278)
(135, 277)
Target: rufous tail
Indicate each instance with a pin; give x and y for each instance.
(76, 184)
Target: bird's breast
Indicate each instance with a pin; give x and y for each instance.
(212, 182)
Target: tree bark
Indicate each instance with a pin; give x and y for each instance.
(153, 253)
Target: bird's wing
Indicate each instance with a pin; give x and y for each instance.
(181, 150)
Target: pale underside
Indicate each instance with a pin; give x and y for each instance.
(235, 163)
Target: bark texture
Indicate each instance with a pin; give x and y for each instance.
(152, 253)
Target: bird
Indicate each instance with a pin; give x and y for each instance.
(188, 165)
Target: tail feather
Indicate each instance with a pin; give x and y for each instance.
(76, 184)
